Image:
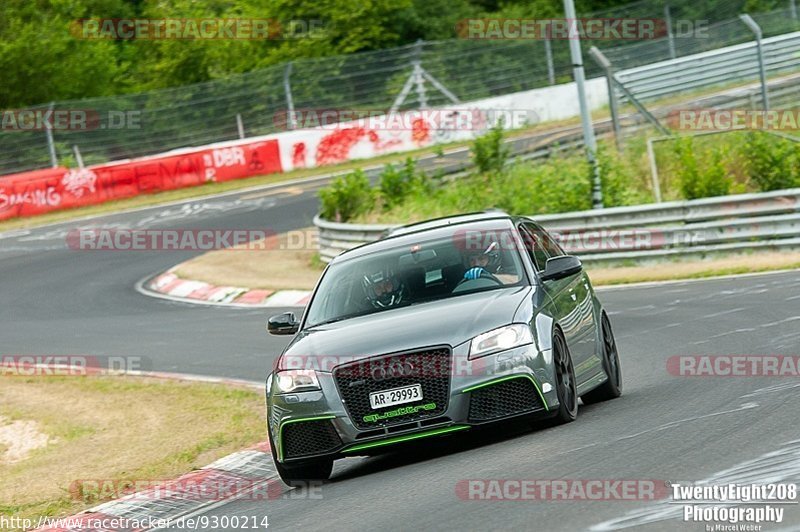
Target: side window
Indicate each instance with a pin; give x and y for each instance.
(550, 245)
(534, 247)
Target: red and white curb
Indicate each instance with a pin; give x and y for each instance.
(169, 286)
(249, 473)
(245, 474)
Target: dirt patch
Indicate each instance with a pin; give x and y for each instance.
(19, 438)
(116, 428)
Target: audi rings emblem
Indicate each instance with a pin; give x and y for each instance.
(393, 370)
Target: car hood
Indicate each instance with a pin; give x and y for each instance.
(450, 321)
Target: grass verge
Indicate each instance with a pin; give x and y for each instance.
(277, 268)
(120, 428)
(697, 268)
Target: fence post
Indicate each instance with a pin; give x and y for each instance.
(51, 145)
(793, 9)
(78, 157)
(651, 154)
(240, 125)
(589, 140)
(756, 29)
(670, 36)
(287, 88)
(419, 81)
(548, 52)
(605, 64)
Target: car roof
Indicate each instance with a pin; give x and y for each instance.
(433, 228)
(445, 221)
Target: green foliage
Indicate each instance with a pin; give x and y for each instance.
(396, 184)
(689, 168)
(621, 175)
(489, 154)
(701, 180)
(347, 197)
(42, 61)
(772, 162)
(558, 185)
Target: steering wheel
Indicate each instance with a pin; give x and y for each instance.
(484, 281)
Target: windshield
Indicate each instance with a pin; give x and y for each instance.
(423, 271)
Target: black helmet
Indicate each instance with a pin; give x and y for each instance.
(383, 288)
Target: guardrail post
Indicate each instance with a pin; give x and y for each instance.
(756, 29)
(586, 120)
(287, 88)
(605, 64)
(51, 145)
(670, 36)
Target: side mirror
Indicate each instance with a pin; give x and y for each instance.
(281, 324)
(560, 267)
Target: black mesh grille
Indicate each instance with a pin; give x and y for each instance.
(429, 368)
(309, 437)
(506, 398)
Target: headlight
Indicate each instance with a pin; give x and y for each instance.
(296, 380)
(500, 339)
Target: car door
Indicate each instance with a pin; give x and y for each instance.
(573, 299)
(556, 289)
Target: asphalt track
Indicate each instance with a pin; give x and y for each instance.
(667, 428)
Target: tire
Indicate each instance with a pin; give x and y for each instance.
(566, 387)
(612, 388)
(298, 474)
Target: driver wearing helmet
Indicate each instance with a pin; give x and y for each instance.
(487, 264)
(482, 262)
(383, 288)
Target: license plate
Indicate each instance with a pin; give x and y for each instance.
(395, 396)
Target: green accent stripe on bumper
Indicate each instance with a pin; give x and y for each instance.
(298, 420)
(508, 378)
(407, 437)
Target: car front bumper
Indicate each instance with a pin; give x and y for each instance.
(525, 365)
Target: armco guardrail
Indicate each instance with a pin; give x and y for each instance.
(705, 226)
(724, 65)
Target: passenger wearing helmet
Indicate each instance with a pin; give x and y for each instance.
(383, 289)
